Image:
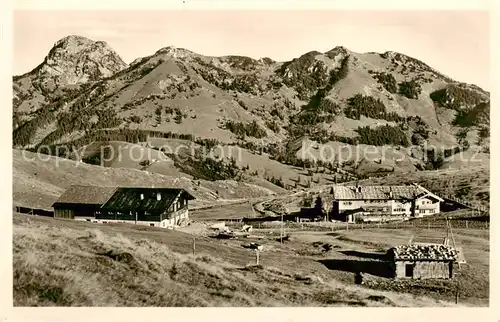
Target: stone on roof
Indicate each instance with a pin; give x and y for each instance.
(428, 252)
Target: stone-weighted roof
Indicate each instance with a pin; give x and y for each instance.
(427, 252)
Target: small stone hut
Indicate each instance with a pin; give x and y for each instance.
(423, 261)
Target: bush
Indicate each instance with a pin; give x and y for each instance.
(276, 181)
(410, 89)
(273, 126)
(388, 81)
(484, 132)
(479, 114)
(135, 119)
(436, 160)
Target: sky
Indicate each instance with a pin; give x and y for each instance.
(456, 43)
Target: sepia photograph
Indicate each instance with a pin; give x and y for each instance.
(250, 158)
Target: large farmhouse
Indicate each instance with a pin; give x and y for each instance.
(381, 203)
(160, 207)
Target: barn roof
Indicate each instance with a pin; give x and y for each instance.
(429, 252)
(91, 195)
(381, 192)
(129, 199)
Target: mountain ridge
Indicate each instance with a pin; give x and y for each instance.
(375, 99)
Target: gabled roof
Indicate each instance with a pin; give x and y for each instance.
(381, 192)
(90, 195)
(429, 252)
(129, 199)
(121, 197)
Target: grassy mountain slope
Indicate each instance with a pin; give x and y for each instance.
(337, 96)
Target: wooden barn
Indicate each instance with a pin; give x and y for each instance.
(160, 207)
(423, 261)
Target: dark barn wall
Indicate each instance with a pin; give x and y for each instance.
(64, 213)
(75, 210)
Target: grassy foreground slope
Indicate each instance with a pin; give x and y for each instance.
(91, 265)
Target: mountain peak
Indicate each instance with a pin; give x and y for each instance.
(76, 60)
(175, 52)
(72, 40)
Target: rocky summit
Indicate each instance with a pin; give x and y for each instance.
(72, 61)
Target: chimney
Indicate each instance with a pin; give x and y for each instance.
(158, 196)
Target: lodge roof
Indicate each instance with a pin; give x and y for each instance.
(90, 195)
(427, 252)
(129, 199)
(117, 198)
(381, 192)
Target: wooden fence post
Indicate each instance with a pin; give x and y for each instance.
(257, 255)
(466, 224)
(194, 246)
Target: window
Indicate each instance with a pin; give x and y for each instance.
(347, 203)
(152, 225)
(431, 211)
(409, 270)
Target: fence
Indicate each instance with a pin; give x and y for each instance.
(468, 204)
(33, 211)
(425, 223)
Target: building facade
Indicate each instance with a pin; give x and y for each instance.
(382, 203)
(158, 207)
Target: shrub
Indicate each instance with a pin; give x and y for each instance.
(135, 119)
(388, 81)
(274, 126)
(436, 160)
(410, 89)
(479, 114)
(158, 114)
(484, 132)
(278, 113)
(276, 181)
